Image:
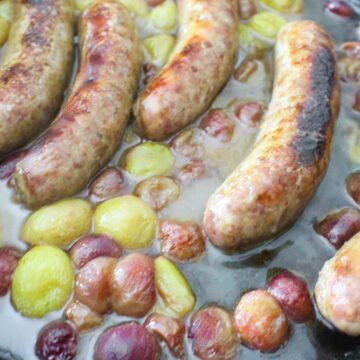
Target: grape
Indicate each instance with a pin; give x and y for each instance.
(57, 341)
(129, 341)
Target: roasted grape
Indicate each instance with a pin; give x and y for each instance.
(249, 113)
(129, 341)
(93, 246)
(353, 186)
(187, 144)
(58, 341)
(137, 7)
(285, 6)
(42, 281)
(58, 224)
(195, 169)
(293, 295)
(132, 285)
(168, 329)
(159, 48)
(147, 159)
(181, 241)
(108, 183)
(260, 321)
(8, 261)
(339, 226)
(127, 219)
(176, 296)
(92, 284)
(217, 124)
(339, 8)
(163, 17)
(213, 334)
(158, 191)
(82, 316)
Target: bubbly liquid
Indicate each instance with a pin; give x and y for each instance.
(219, 278)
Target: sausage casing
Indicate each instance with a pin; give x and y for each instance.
(35, 71)
(270, 189)
(199, 67)
(88, 130)
(337, 291)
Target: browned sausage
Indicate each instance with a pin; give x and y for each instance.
(199, 67)
(270, 189)
(337, 291)
(35, 71)
(88, 130)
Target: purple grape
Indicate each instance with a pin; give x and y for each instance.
(93, 246)
(8, 261)
(129, 341)
(57, 341)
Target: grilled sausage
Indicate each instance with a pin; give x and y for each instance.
(199, 67)
(337, 291)
(35, 71)
(88, 131)
(270, 189)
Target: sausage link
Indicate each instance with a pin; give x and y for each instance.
(199, 67)
(36, 69)
(337, 291)
(270, 189)
(88, 131)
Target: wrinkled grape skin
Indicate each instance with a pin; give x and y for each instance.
(187, 145)
(244, 71)
(56, 341)
(82, 317)
(261, 322)
(195, 169)
(8, 260)
(249, 114)
(108, 183)
(293, 295)
(129, 341)
(353, 185)
(339, 227)
(217, 124)
(158, 191)
(213, 335)
(93, 246)
(132, 285)
(168, 329)
(181, 241)
(92, 284)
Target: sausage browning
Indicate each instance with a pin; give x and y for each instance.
(88, 130)
(199, 67)
(35, 71)
(270, 189)
(337, 291)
